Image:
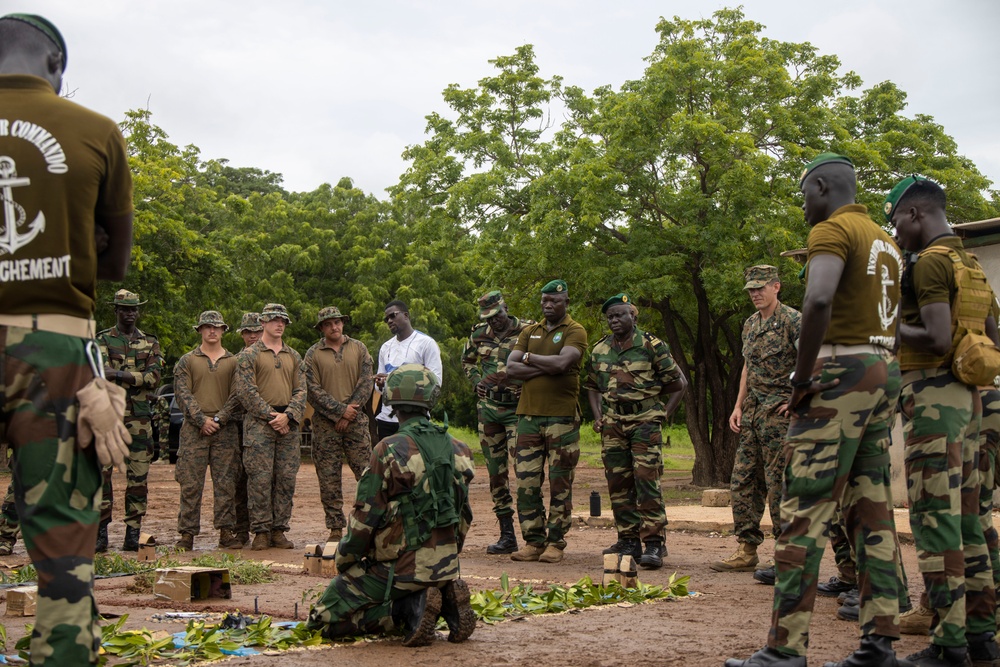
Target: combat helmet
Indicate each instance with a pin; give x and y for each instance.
(412, 384)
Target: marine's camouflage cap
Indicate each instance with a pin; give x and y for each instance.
(617, 299)
(490, 304)
(125, 298)
(251, 322)
(212, 317)
(412, 384)
(897, 193)
(273, 311)
(760, 275)
(330, 313)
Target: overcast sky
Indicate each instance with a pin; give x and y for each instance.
(324, 89)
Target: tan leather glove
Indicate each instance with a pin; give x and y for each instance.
(101, 419)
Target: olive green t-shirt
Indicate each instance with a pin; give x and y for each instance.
(866, 303)
(552, 395)
(60, 164)
(933, 279)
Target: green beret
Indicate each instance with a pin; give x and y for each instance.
(822, 159)
(618, 299)
(555, 287)
(897, 193)
(490, 304)
(760, 275)
(44, 26)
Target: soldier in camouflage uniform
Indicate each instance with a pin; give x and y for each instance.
(941, 417)
(47, 326)
(271, 385)
(844, 387)
(630, 375)
(10, 525)
(547, 360)
(161, 428)
(131, 360)
(398, 564)
(250, 330)
(203, 382)
(339, 377)
(761, 416)
(484, 361)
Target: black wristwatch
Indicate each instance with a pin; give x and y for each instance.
(800, 384)
(216, 420)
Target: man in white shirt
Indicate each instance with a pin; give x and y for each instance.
(407, 346)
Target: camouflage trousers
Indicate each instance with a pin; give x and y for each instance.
(10, 525)
(329, 451)
(541, 440)
(843, 554)
(271, 462)
(57, 488)
(941, 419)
(989, 440)
(498, 437)
(195, 454)
(359, 602)
(837, 453)
(240, 500)
(757, 472)
(136, 474)
(633, 465)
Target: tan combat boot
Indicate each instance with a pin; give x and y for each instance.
(527, 552)
(279, 541)
(229, 540)
(917, 621)
(261, 541)
(186, 542)
(552, 554)
(335, 535)
(743, 560)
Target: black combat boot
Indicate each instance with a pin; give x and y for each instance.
(765, 576)
(507, 544)
(983, 650)
(941, 656)
(768, 657)
(875, 651)
(102, 538)
(456, 611)
(652, 557)
(834, 587)
(131, 542)
(615, 548)
(417, 615)
(626, 546)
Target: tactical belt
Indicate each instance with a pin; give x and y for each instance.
(80, 327)
(501, 396)
(632, 407)
(279, 408)
(834, 349)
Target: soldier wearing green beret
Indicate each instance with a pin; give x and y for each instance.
(844, 390)
(340, 379)
(203, 387)
(133, 361)
(760, 416)
(633, 386)
(547, 360)
(941, 416)
(484, 361)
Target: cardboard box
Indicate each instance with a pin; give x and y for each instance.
(21, 601)
(147, 548)
(191, 584)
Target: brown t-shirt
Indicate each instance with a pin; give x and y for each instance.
(552, 395)
(60, 164)
(210, 384)
(866, 303)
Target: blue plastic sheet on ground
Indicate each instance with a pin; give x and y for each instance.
(243, 651)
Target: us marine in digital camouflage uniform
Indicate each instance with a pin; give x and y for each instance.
(10, 524)
(761, 415)
(941, 417)
(161, 428)
(250, 331)
(844, 387)
(203, 382)
(132, 360)
(630, 374)
(398, 564)
(84, 198)
(340, 378)
(271, 385)
(484, 361)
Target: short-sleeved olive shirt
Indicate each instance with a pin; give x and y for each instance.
(552, 395)
(866, 303)
(60, 164)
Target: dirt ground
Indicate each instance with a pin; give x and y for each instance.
(728, 618)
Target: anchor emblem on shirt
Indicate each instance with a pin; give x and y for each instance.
(14, 217)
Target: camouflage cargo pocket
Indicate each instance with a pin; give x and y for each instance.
(813, 447)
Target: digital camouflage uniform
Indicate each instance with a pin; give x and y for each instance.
(631, 380)
(330, 449)
(161, 427)
(139, 356)
(271, 460)
(197, 452)
(10, 525)
(250, 322)
(769, 352)
(392, 547)
(485, 359)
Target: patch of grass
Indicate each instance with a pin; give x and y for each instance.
(241, 570)
(22, 575)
